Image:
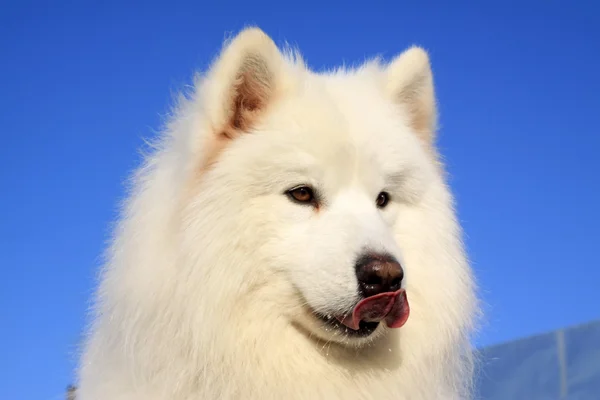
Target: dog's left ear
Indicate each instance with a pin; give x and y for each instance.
(410, 84)
(242, 83)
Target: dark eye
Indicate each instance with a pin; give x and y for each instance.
(382, 199)
(302, 194)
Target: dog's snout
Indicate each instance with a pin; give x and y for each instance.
(378, 273)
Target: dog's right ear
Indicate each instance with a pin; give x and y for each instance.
(244, 80)
(410, 84)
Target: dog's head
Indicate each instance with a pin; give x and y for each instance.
(320, 196)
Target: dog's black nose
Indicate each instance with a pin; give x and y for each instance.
(378, 273)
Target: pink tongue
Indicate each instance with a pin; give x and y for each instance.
(391, 306)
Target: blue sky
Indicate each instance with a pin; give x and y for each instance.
(82, 84)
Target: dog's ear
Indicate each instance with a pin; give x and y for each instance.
(242, 83)
(410, 84)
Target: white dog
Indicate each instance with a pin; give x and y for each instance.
(291, 237)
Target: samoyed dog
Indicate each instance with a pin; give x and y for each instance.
(291, 236)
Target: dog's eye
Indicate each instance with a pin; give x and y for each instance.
(302, 194)
(382, 199)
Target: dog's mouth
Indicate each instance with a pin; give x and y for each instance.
(364, 328)
(389, 307)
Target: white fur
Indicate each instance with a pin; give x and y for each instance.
(213, 273)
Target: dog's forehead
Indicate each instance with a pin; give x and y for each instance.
(343, 121)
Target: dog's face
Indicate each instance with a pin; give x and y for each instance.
(322, 177)
(328, 191)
